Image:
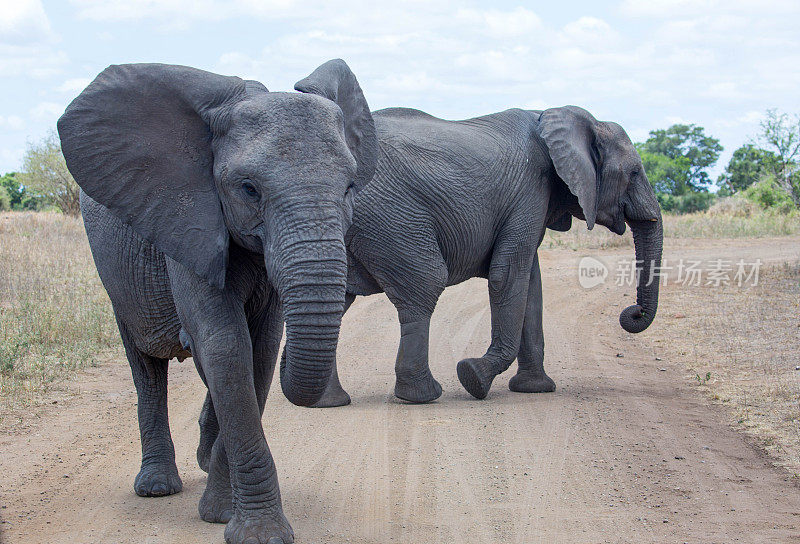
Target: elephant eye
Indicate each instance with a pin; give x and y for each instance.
(249, 188)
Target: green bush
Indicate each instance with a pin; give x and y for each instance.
(686, 203)
(18, 196)
(5, 200)
(767, 194)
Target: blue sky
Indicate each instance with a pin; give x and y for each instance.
(645, 64)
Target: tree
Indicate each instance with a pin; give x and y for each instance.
(45, 173)
(782, 134)
(5, 200)
(748, 165)
(690, 150)
(19, 198)
(667, 175)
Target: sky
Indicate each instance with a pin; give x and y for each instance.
(645, 64)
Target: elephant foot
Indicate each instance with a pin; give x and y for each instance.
(204, 455)
(209, 430)
(270, 529)
(476, 375)
(333, 396)
(532, 382)
(216, 504)
(204, 449)
(157, 480)
(417, 389)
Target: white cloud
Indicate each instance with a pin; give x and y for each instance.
(704, 61)
(724, 90)
(172, 11)
(589, 32)
(751, 117)
(676, 120)
(459, 61)
(26, 41)
(74, 85)
(11, 155)
(638, 134)
(24, 22)
(666, 9)
(749, 120)
(517, 22)
(46, 111)
(538, 104)
(11, 122)
(36, 61)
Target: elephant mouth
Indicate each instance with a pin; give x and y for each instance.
(619, 225)
(616, 222)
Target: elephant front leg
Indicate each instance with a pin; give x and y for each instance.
(216, 322)
(531, 377)
(242, 486)
(509, 276)
(158, 475)
(414, 381)
(266, 329)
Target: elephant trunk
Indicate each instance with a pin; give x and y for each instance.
(648, 242)
(310, 277)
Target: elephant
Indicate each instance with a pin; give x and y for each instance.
(216, 211)
(452, 200)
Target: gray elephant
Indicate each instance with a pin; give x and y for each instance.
(215, 210)
(452, 200)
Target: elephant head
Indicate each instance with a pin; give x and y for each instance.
(192, 160)
(600, 166)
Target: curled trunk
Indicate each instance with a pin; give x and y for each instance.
(310, 279)
(648, 242)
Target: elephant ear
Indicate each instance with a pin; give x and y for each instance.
(335, 81)
(569, 134)
(138, 141)
(254, 88)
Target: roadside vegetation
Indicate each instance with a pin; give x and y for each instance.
(730, 217)
(55, 316)
(44, 184)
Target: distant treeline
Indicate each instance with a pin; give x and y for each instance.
(766, 171)
(43, 183)
(676, 160)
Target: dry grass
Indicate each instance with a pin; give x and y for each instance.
(718, 224)
(747, 338)
(725, 221)
(579, 237)
(55, 316)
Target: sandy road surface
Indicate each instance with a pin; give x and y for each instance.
(621, 452)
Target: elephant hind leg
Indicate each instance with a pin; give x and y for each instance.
(531, 377)
(414, 381)
(509, 279)
(159, 474)
(415, 295)
(209, 430)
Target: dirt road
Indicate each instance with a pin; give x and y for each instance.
(623, 451)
